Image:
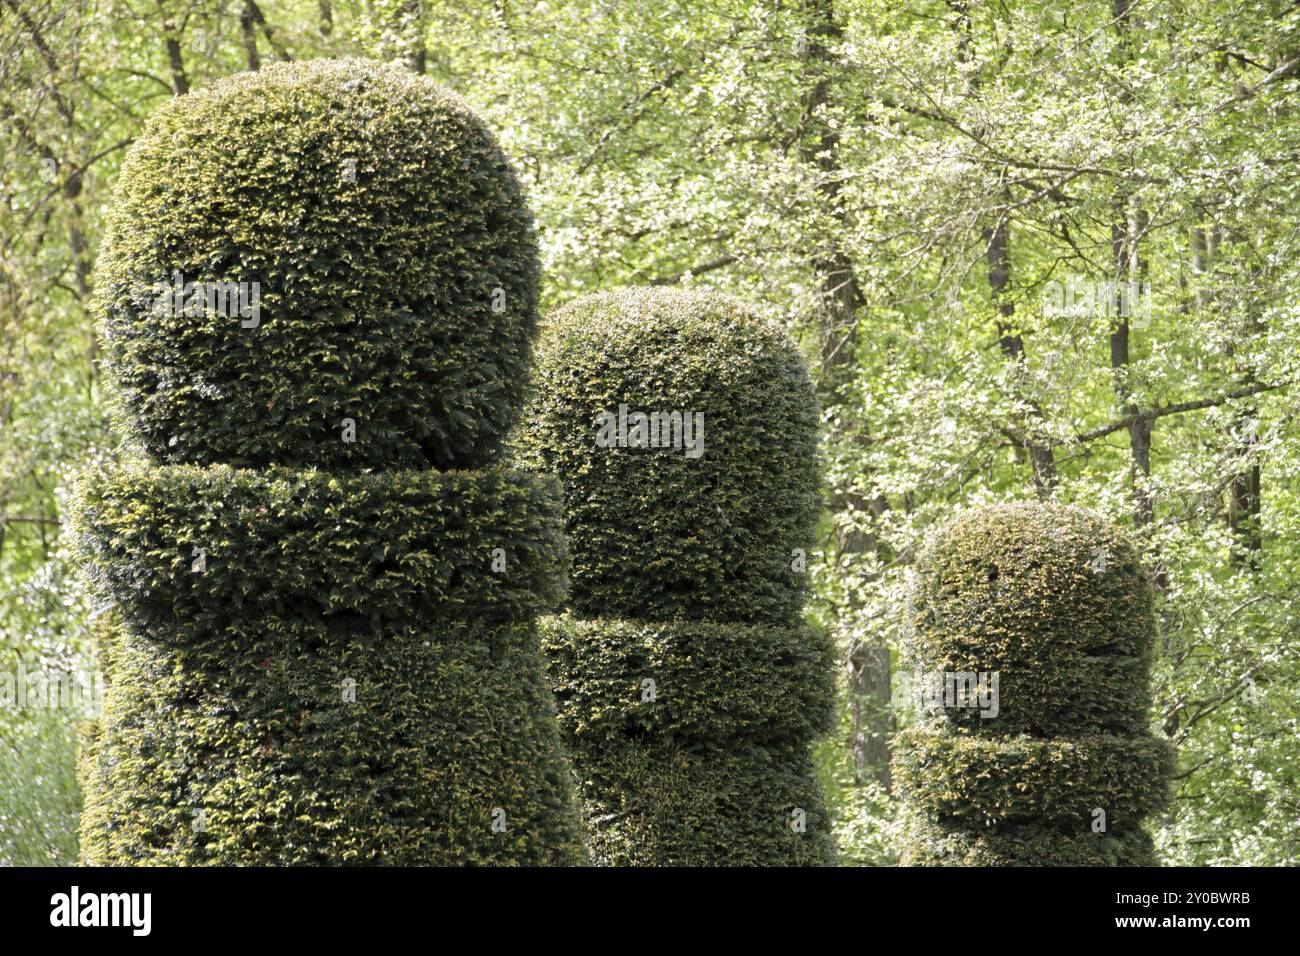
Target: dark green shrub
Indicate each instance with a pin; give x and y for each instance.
(390, 546)
(315, 661)
(379, 218)
(655, 534)
(931, 844)
(711, 681)
(661, 803)
(1054, 780)
(250, 752)
(687, 688)
(1055, 599)
(1052, 600)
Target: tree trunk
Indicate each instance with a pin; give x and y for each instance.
(998, 257)
(1124, 241)
(1126, 232)
(180, 82)
(840, 298)
(413, 35)
(248, 32)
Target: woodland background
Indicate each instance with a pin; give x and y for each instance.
(908, 187)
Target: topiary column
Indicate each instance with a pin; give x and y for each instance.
(318, 291)
(1030, 642)
(685, 431)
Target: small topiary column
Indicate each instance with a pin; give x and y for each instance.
(1030, 642)
(685, 431)
(318, 290)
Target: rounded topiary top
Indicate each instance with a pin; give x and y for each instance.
(665, 522)
(1054, 598)
(311, 245)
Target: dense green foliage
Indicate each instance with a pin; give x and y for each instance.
(42, 637)
(251, 747)
(41, 800)
(935, 845)
(1052, 596)
(657, 802)
(662, 535)
(711, 681)
(1055, 599)
(386, 547)
(1056, 782)
(324, 666)
(906, 188)
(686, 687)
(394, 259)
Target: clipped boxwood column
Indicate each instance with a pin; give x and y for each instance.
(318, 292)
(1030, 641)
(685, 432)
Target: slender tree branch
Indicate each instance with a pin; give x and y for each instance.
(1153, 413)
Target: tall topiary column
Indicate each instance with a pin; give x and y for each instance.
(318, 291)
(1030, 642)
(685, 432)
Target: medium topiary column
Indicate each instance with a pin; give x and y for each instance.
(689, 690)
(318, 289)
(1030, 642)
